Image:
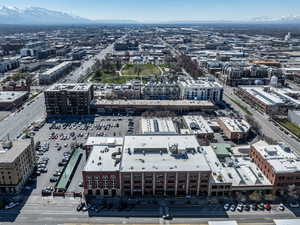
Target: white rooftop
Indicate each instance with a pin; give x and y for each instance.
(157, 126)
(10, 96)
(235, 125)
(104, 141)
(56, 68)
(198, 125)
(266, 97)
(239, 171)
(100, 159)
(154, 153)
(280, 157)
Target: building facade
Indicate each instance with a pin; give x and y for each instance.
(69, 99)
(17, 162)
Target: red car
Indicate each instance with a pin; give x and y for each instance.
(267, 206)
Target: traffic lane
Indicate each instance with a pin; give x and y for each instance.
(267, 127)
(17, 121)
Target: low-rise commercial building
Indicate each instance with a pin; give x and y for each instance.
(234, 129)
(69, 99)
(157, 126)
(198, 126)
(17, 162)
(12, 99)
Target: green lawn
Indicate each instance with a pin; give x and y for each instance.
(102, 77)
(143, 70)
(290, 126)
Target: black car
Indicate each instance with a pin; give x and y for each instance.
(246, 207)
(80, 206)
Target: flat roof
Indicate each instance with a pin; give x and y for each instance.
(280, 157)
(198, 125)
(56, 68)
(10, 155)
(152, 103)
(221, 148)
(154, 153)
(11, 96)
(70, 87)
(235, 125)
(100, 159)
(191, 83)
(265, 97)
(239, 171)
(157, 126)
(104, 141)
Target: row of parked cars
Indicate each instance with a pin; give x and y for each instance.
(254, 207)
(246, 207)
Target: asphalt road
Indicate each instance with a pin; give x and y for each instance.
(62, 211)
(267, 126)
(17, 121)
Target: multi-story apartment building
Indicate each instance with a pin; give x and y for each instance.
(161, 91)
(7, 64)
(17, 161)
(249, 74)
(200, 90)
(278, 163)
(69, 99)
(53, 74)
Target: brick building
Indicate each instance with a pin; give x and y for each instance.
(278, 163)
(146, 165)
(17, 161)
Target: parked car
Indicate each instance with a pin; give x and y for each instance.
(240, 207)
(247, 207)
(281, 207)
(261, 206)
(232, 208)
(226, 207)
(253, 207)
(53, 179)
(267, 206)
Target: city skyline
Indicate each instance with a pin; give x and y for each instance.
(158, 11)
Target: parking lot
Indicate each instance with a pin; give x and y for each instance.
(56, 138)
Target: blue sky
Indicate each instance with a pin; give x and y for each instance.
(166, 10)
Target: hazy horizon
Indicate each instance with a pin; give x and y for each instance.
(167, 10)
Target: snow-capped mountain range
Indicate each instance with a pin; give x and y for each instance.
(37, 15)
